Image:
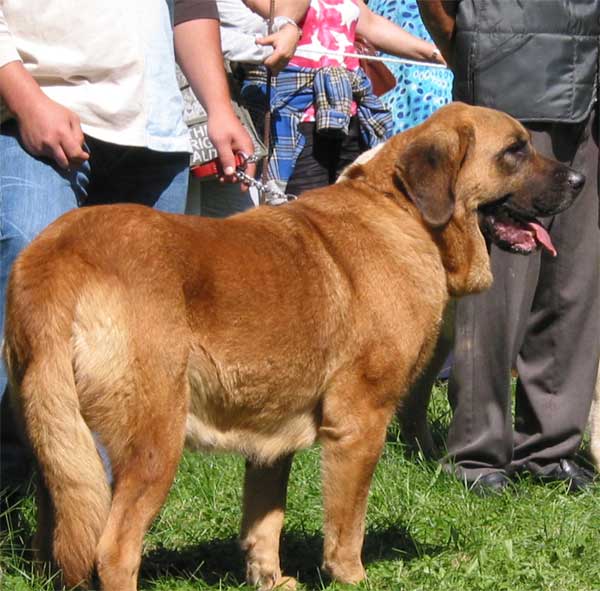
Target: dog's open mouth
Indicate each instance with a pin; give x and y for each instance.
(513, 231)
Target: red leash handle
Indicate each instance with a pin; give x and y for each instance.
(214, 168)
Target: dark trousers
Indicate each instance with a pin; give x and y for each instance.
(324, 157)
(541, 317)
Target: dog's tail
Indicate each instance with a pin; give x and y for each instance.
(70, 466)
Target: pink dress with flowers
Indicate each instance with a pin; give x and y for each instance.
(331, 25)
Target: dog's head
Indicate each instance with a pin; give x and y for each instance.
(468, 170)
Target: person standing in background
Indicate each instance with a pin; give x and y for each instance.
(244, 38)
(324, 110)
(91, 113)
(538, 61)
(420, 90)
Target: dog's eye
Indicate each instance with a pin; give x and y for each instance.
(517, 150)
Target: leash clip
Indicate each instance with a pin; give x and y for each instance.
(273, 194)
(242, 160)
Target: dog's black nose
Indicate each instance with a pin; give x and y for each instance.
(576, 180)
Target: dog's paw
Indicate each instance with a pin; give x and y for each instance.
(345, 573)
(595, 453)
(286, 584)
(267, 579)
(271, 583)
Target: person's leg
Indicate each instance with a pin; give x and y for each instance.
(558, 359)
(214, 199)
(351, 146)
(33, 193)
(313, 166)
(137, 175)
(480, 439)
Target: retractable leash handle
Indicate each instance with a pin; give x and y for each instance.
(214, 168)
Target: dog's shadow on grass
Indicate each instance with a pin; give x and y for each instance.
(220, 562)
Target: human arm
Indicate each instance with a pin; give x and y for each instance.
(391, 38)
(46, 128)
(198, 51)
(294, 9)
(285, 40)
(439, 16)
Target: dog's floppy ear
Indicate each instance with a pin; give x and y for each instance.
(427, 170)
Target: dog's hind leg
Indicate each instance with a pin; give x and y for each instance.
(352, 435)
(42, 541)
(265, 489)
(142, 478)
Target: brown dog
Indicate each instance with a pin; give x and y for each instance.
(260, 334)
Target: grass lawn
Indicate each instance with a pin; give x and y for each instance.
(425, 531)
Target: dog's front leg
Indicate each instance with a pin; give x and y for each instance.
(412, 413)
(265, 489)
(352, 435)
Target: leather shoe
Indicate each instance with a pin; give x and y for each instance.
(576, 477)
(493, 483)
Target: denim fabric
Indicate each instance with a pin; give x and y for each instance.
(213, 199)
(34, 191)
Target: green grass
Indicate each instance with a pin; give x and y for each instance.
(425, 531)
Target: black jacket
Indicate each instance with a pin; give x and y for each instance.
(535, 59)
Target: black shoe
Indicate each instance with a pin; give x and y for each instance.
(493, 483)
(576, 477)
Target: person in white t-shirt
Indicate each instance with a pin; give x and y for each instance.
(91, 113)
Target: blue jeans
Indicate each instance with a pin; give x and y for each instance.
(34, 191)
(210, 198)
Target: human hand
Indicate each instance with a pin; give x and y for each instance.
(229, 137)
(437, 57)
(51, 130)
(284, 44)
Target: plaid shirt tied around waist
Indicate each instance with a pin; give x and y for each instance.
(331, 90)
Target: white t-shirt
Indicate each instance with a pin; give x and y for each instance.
(109, 61)
(239, 29)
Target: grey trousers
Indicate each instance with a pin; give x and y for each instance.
(542, 317)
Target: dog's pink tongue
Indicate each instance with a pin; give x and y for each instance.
(542, 236)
